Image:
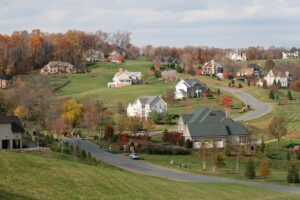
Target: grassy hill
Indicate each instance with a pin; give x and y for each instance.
(54, 176)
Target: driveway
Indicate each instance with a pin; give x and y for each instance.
(259, 108)
(152, 170)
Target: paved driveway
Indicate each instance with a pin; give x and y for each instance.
(259, 108)
(152, 170)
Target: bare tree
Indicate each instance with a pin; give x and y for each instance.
(277, 128)
(121, 39)
(100, 38)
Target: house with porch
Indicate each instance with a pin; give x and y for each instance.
(125, 78)
(190, 88)
(144, 105)
(213, 68)
(11, 131)
(209, 125)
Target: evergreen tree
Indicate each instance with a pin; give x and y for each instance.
(227, 150)
(263, 145)
(293, 175)
(178, 69)
(268, 152)
(250, 169)
(71, 149)
(288, 155)
(77, 151)
(248, 83)
(218, 160)
(89, 158)
(271, 95)
(290, 97)
(298, 155)
(232, 82)
(219, 91)
(83, 155)
(240, 85)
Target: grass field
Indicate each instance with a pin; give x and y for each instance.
(54, 176)
(262, 62)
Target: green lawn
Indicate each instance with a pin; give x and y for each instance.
(54, 176)
(278, 165)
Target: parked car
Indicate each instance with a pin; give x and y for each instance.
(134, 156)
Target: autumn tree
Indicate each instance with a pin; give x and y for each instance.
(169, 96)
(227, 101)
(148, 125)
(277, 128)
(23, 113)
(60, 126)
(269, 64)
(264, 169)
(133, 124)
(109, 132)
(72, 111)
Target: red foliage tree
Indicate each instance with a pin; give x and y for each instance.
(125, 138)
(227, 101)
(199, 72)
(157, 66)
(225, 75)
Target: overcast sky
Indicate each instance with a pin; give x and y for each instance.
(214, 23)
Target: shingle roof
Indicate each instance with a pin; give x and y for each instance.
(5, 77)
(194, 82)
(278, 73)
(207, 123)
(17, 126)
(146, 99)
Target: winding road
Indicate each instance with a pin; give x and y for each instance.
(141, 167)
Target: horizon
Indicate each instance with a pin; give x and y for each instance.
(226, 24)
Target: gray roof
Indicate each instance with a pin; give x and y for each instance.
(194, 82)
(16, 127)
(205, 122)
(147, 99)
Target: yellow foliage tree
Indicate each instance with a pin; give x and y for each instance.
(22, 112)
(72, 111)
(264, 169)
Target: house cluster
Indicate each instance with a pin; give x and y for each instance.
(276, 76)
(252, 69)
(11, 131)
(206, 125)
(168, 59)
(237, 56)
(125, 78)
(293, 53)
(190, 88)
(4, 81)
(55, 67)
(144, 105)
(212, 68)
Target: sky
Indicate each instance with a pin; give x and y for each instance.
(213, 23)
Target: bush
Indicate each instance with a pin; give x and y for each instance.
(89, 158)
(271, 95)
(293, 175)
(218, 160)
(189, 144)
(268, 152)
(250, 169)
(167, 118)
(263, 145)
(227, 151)
(157, 74)
(83, 155)
(77, 151)
(240, 85)
(182, 142)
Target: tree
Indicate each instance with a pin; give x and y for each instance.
(133, 124)
(268, 152)
(157, 74)
(263, 145)
(109, 132)
(290, 97)
(121, 39)
(89, 158)
(149, 125)
(227, 151)
(293, 175)
(83, 155)
(264, 169)
(250, 169)
(167, 119)
(288, 155)
(203, 152)
(227, 101)
(248, 83)
(218, 91)
(23, 113)
(240, 85)
(243, 150)
(271, 95)
(77, 151)
(60, 126)
(269, 64)
(169, 96)
(218, 160)
(277, 128)
(72, 111)
(154, 116)
(178, 69)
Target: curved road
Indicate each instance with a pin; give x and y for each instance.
(152, 170)
(259, 108)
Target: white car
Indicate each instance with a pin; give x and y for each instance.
(134, 156)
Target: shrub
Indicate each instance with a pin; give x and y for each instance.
(263, 145)
(189, 144)
(293, 175)
(89, 158)
(250, 169)
(271, 95)
(77, 151)
(83, 155)
(264, 169)
(240, 85)
(157, 74)
(248, 82)
(182, 142)
(227, 150)
(268, 152)
(288, 155)
(167, 118)
(218, 160)
(290, 97)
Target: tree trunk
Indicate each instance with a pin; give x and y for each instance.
(237, 163)
(278, 142)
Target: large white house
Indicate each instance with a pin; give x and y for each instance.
(11, 131)
(125, 78)
(293, 53)
(275, 76)
(213, 68)
(190, 88)
(144, 105)
(237, 56)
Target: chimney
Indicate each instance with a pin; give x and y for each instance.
(120, 70)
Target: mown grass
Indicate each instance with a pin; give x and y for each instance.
(54, 176)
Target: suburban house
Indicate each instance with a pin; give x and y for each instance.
(168, 59)
(293, 53)
(190, 88)
(94, 56)
(213, 68)
(113, 56)
(55, 67)
(237, 56)
(4, 81)
(275, 76)
(144, 105)
(125, 78)
(208, 125)
(251, 70)
(11, 130)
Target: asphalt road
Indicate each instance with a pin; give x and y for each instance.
(152, 170)
(259, 108)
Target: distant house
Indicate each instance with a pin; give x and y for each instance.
(251, 70)
(11, 131)
(169, 75)
(4, 81)
(94, 56)
(125, 78)
(275, 76)
(55, 67)
(168, 59)
(190, 88)
(205, 124)
(113, 56)
(213, 68)
(237, 56)
(293, 53)
(144, 105)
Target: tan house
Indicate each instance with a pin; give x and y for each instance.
(213, 68)
(209, 125)
(125, 78)
(55, 67)
(11, 131)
